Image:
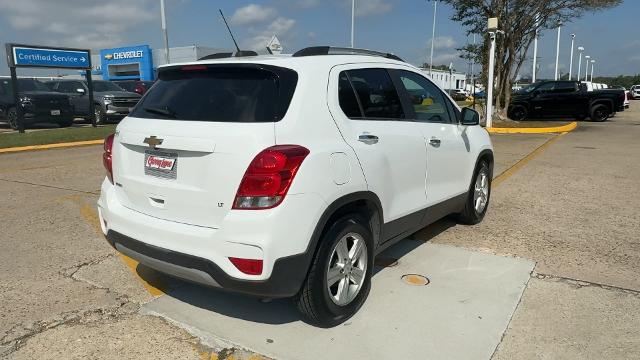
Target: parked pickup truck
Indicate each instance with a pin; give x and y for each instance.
(565, 98)
(111, 101)
(38, 104)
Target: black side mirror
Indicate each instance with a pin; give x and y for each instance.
(469, 117)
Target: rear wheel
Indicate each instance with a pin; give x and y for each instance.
(600, 113)
(12, 118)
(518, 113)
(66, 123)
(339, 280)
(478, 197)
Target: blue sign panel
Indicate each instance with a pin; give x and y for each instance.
(127, 63)
(58, 58)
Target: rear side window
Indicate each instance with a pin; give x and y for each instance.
(220, 94)
(376, 95)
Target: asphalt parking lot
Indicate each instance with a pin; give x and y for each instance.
(550, 274)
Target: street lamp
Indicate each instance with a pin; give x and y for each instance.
(535, 49)
(573, 38)
(586, 68)
(558, 50)
(493, 31)
(580, 49)
(433, 36)
(163, 19)
(353, 20)
(592, 65)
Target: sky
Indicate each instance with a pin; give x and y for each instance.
(402, 27)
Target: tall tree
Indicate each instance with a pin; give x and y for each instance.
(517, 18)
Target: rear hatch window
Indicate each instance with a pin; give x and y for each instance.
(219, 93)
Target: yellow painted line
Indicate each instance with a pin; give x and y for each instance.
(51, 146)
(522, 162)
(156, 289)
(546, 130)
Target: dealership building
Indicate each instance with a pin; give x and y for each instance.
(141, 61)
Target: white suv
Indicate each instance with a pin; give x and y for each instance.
(284, 176)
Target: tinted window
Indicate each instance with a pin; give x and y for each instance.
(564, 87)
(102, 86)
(377, 94)
(429, 103)
(30, 85)
(69, 86)
(347, 97)
(546, 87)
(127, 85)
(220, 93)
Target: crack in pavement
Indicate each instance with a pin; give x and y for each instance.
(583, 283)
(50, 186)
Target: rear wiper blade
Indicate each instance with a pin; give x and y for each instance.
(161, 111)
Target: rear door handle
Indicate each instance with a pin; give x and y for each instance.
(434, 142)
(368, 139)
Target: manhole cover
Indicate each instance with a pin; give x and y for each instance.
(415, 279)
(386, 262)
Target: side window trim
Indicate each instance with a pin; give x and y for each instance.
(346, 73)
(409, 112)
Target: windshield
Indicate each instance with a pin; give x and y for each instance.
(220, 94)
(529, 88)
(102, 86)
(31, 85)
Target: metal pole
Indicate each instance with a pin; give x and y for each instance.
(573, 38)
(580, 49)
(433, 36)
(473, 76)
(557, 52)
(164, 32)
(16, 99)
(92, 105)
(492, 53)
(586, 68)
(593, 64)
(535, 50)
(353, 20)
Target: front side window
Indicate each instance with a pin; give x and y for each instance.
(376, 94)
(429, 103)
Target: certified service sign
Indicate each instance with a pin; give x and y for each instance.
(36, 56)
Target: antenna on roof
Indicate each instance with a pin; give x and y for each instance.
(230, 33)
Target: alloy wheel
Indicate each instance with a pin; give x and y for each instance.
(347, 269)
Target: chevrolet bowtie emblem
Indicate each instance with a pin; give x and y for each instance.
(153, 141)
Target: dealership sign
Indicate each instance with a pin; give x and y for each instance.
(134, 54)
(37, 56)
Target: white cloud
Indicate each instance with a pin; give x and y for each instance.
(442, 42)
(280, 27)
(78, 23)
(252, 14)
(446, 58)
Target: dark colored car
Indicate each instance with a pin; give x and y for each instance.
(565, 98)
(136, 86)
(457, 95)
(111, 101)
(39, 104)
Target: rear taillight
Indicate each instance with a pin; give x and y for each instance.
(269, 176)
(247, 266)
(107, 156)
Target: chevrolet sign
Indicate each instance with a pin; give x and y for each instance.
(124, 55)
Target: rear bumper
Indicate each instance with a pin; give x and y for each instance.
(201, 254)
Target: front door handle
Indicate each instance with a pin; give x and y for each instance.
(368, 139)
(435, 142)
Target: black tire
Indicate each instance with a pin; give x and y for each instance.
(518, 113)
(314, 300)
(101, 118)
(12, 118)
(600, 113)
(66, 123)
(470, 215)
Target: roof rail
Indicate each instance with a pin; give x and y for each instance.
(332, 50)
(223, 55)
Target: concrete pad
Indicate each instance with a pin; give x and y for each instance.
(510, 148)
(461, 314)
(561, 319)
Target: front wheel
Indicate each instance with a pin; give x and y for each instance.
(518, 113)
(478, 197)
(339, 280)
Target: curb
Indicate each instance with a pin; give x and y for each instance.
(557, 129)
(51, 146)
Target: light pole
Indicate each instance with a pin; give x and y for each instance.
(535, 50)
(593, 63)
(433, 36)
(558, 50)
(573, 38)
(353, 20)
(164, 32)
(580, 49)
(586, 68)
(493, 31)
